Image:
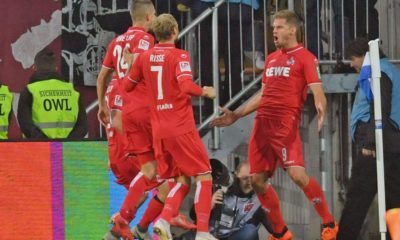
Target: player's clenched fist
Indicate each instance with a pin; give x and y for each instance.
(209, 92)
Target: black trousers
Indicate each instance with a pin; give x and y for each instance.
(362, 190)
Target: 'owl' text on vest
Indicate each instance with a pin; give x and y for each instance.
(2, 113)
(56, 104)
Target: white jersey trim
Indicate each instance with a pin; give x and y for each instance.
(134, 81)
(134, 30)
(185, 74)
(295, 50)
(112, 68)
(315, 83)
(163, 47)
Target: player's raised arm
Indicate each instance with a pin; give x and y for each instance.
(230, 117)
(320, 103)
(129, 57)
(184, 75)
(209, 92)
(130, 81)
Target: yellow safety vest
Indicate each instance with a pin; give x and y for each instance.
(6, 99)
(55, 107)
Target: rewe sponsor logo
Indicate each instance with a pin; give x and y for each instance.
(278, 71)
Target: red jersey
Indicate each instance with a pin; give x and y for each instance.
(117, 143)
(166, 69)
(138, 41)
(287, 75)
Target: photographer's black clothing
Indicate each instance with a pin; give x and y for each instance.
(238, 211)
(235, 213)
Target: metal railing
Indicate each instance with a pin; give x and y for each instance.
(244, 35)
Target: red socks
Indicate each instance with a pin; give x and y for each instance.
(202, 205)
(270, 202)
(153, 210)
(174, 201)
(316, 196)
(137, 188)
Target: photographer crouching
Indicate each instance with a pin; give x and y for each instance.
(236, 213)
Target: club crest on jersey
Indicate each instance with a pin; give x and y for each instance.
(290, 61)
(248, 207)
(118, 101)
(185, 67)
(143, 44)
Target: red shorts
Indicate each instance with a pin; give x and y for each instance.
(184, 155)
(137, 130)
(125, 169)
(272, 142)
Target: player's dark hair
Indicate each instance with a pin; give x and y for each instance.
(164, 26)
(45, 61)
(358, 47)
(140, 8)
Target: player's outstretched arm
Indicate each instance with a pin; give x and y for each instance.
(320, 103)
(129, 57)
(133, 77)
(230, 117)
(209, 92)
(103, 114)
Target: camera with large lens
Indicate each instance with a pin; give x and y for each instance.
(222, 179)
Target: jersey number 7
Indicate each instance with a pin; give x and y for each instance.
(159, 71)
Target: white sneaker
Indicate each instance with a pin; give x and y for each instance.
(137, 234)
(204, 236)
(110, 236)
(162, 229)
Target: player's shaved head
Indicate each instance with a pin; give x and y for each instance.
(45, 61)
(164, 26)
(140, 9)
(292, 19)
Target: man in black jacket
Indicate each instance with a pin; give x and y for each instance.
(363, 183)
(50, 107)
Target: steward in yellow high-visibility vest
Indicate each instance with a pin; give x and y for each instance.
(50, 107)
(6, 99)
(55, 107)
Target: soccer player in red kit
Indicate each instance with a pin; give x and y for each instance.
(123, 164)
(275, 138)
(135, 119)
(179, 150)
